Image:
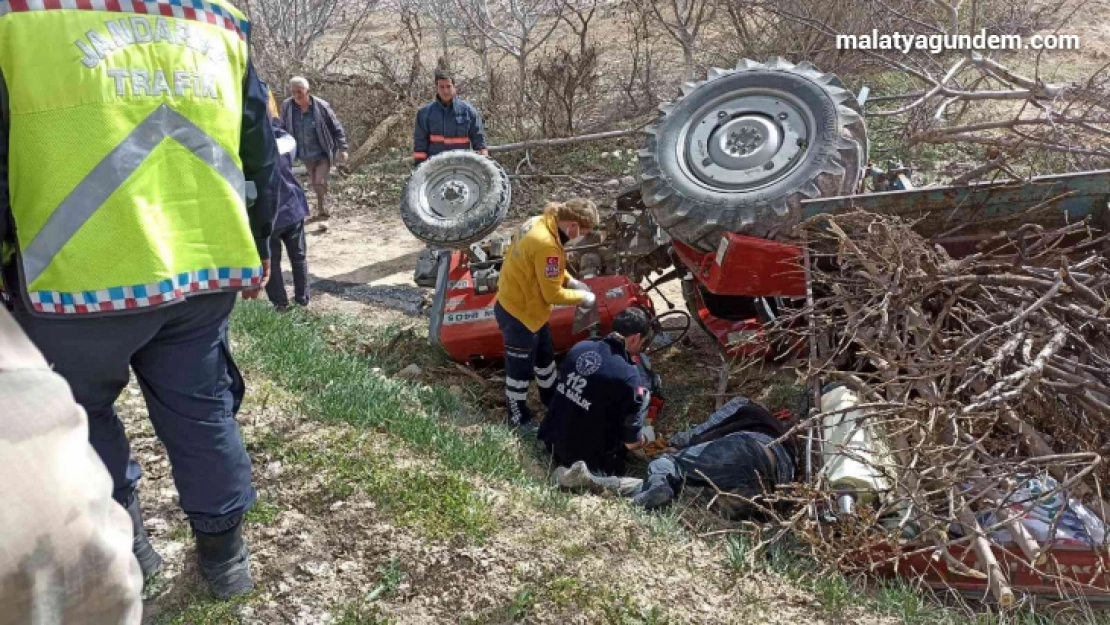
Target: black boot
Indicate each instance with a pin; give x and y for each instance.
(149, 560)
(225, 562)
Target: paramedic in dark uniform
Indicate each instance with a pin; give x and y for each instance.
(601, 399)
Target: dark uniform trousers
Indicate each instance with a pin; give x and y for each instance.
(182, 359)
(527, 354)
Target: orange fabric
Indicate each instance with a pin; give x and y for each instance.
(273, 107)
(420, 155)
(450, 140)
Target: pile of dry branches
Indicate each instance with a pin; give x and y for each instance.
(976, 376)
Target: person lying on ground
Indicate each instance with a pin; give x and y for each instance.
(601, 399)
(734, 450)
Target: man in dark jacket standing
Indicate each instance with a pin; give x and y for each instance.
(444, 124)
(321, 139)
(447, 123)
(289, 224)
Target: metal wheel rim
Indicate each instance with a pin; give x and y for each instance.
(745, 141)
(452, 193)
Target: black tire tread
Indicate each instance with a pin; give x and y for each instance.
(479, 222)
(700, 222)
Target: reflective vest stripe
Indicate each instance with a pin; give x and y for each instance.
(450, 140)
(195, 10)
(145, 295)
(111, 172)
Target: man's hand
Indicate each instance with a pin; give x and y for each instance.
(343, 157)
(588, 300)
(647, 435)
(255, 292)
(484, 152)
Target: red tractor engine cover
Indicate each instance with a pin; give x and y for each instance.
(747, 266)
(468, 331)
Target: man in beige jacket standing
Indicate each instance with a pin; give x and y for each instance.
(65, 544)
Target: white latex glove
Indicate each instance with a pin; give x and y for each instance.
(578, 285)
(589, 300)
(647, 434)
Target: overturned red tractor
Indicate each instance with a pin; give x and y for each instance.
(726, 172)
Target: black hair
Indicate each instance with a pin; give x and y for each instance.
(442, 74)
(632, 321)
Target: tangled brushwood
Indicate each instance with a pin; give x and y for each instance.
(966, 402)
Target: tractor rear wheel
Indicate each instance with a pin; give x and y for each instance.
(741, 150)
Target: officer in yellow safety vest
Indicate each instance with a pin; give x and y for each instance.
(133, 137)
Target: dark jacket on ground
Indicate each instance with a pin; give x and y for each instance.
(440, 128)
(291, 201)
(330, 133)
(738, 415)
(600, 403)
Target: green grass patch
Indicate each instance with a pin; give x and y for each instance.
(180, 533)
(610, 606)
(366, 610)
(205, 611)
(361, 612)
(521, 605)
(440, 504)
(550, 499)
(264, 511)
(390, 577)
(264, 441)
(309, 357)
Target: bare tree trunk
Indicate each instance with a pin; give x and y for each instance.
(443, 45)
(378, 135)
(689, 62)
(522, 100)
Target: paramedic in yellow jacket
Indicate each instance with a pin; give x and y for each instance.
(533, 281)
